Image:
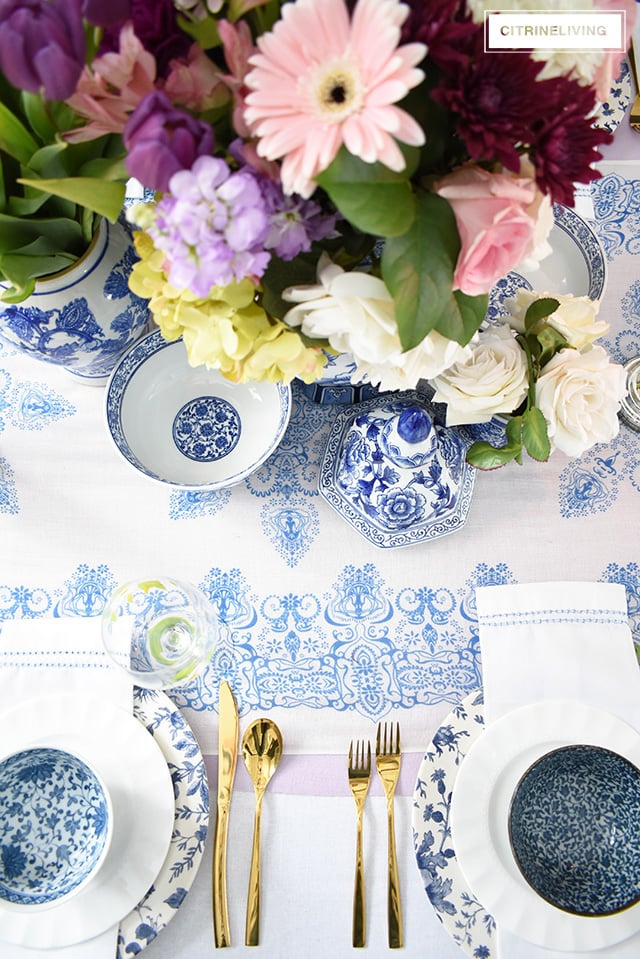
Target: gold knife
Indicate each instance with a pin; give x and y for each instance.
(227, 758)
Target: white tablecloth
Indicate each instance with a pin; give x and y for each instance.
(329, 634)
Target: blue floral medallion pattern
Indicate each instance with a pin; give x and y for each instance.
(287, 483)
(206, 429)
(55, 826)
(616, 203)
(360, 647)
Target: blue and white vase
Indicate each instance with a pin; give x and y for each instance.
(85, 317)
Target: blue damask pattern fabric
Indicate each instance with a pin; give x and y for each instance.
(25, 405)
(362, 646)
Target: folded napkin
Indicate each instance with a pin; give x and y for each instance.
(43, 657)
(557, 641)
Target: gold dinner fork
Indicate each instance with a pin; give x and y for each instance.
(359, 776)
(388, 760)
(634, 116)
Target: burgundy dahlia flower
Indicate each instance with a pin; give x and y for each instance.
(155, 23)
(564, 142)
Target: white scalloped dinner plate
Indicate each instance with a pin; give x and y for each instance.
(479, 820)
(136, 773)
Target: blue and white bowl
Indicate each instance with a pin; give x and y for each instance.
(55, 825)
(395, 475)
(573, 826)
(189, 427)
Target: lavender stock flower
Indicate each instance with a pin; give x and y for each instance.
(293, 221)
(211, 226)
(42, 45)
(162, 140)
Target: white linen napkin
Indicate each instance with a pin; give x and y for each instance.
(557, 641)
(42, 657)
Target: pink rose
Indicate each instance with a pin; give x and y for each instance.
(492, 216)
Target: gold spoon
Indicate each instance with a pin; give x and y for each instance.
(261, 751)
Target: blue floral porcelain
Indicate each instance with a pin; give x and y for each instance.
(83, 318)
(393, 474)
(55, 825)
(574, 830)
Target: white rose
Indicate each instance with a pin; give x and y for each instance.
(575, 317)
(355, 312)
(579, 395)
(403, 371)
(493, 379)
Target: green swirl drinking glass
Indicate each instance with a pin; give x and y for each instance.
(162, 631)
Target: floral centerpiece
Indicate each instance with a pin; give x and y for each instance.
(329, 175)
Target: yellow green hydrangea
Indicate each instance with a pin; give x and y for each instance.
(228, 330)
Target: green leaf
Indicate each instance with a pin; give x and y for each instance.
(418, 266)
(538, 310)
(513, 429)
(22, 269)
(15, 139)
(484, 456)
(534, 434)
(105, 168)
(26, 206)
(18, 232)
(103, 197)
(279, 275)
(551, 341)
(49, 160)
(36, 113)
(204, 32)
(372, 197)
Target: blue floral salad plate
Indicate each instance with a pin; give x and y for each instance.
(480, 819)
(394, 474)
(467, 891)
(157, 779)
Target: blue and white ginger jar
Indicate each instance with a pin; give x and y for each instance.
(85, 317)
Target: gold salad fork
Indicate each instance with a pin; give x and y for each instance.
(634, 116)
(388, 760)
(359, 776)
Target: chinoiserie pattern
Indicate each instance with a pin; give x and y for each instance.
(364, 647)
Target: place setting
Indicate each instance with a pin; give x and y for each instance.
(103, 787)
(526, 801)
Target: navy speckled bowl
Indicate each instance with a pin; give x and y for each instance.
(574, 826)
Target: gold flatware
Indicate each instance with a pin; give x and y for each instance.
(359, 776)
(227, 758)
(388, 759)
(261, 751)
(634, 116)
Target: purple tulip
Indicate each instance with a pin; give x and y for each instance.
(106, 13)
(42, 45)
(162, 140)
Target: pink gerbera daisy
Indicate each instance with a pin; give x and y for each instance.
(321, 80)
